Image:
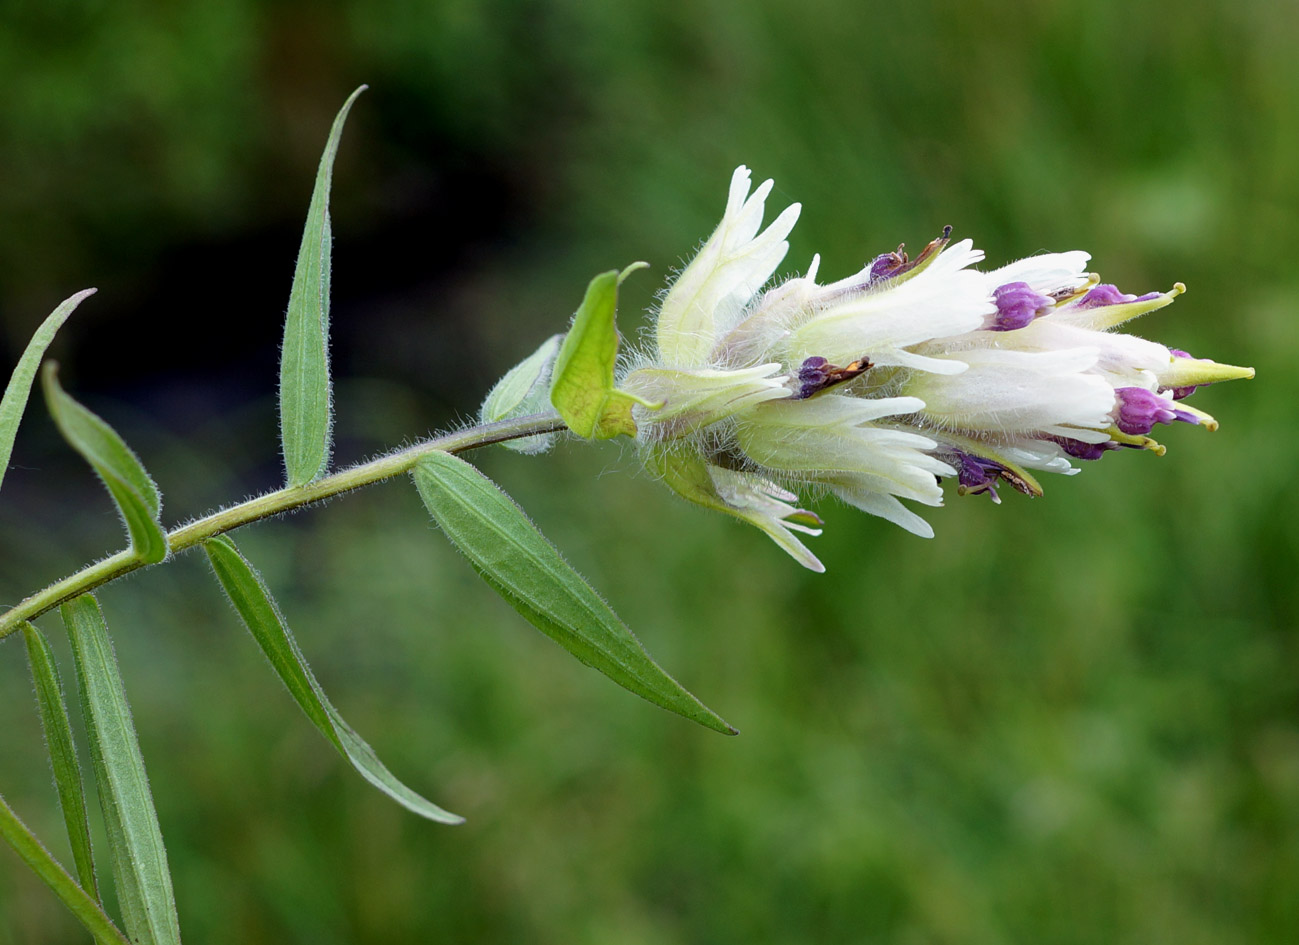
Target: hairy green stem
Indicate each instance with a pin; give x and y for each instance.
(43, 864)
(274, 503)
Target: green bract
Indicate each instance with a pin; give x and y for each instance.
(524, 390)
(582, 389)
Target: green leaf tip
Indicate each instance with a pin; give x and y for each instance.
(253, 602)
(121, 471)
(19, 388)
(306, 407)
(138, 856)
(521, 565)
(634, 267)
(582, 389)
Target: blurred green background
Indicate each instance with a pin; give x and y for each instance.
(1073, 719)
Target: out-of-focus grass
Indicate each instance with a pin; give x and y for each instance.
(1067, 720)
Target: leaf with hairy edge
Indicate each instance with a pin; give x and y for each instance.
(521, 565)
(582, 389)
(63, 754)
(134, 838)
(524, 390)
(120, 469)
(19, 387)
(306, 416)
(253, 602)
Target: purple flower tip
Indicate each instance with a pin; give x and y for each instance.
(977, 475)
(815, 374)
(1138, 410)
(887, 265)
(1106, 294)
(1079, 449)
(898, 262)
(1017, 305)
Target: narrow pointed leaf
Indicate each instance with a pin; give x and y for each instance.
(306, 416)
(82, 905)
(134, 837)
(63, 755)
(258, 610)
(120, 469)
(521, 565)
(19, 388)
(582, 387)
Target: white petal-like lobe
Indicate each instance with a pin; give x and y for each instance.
(734, 263)
(1017, 392)
(862, 496)
(1045, 273)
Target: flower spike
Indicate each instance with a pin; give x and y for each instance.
(880, 386)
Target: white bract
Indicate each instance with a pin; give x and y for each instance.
(878, 386)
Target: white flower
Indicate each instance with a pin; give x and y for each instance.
(733, 264)
(879, 385)
(884, 319)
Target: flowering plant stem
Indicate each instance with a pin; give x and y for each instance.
(274, 503)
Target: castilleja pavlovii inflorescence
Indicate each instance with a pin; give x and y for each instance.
(880, 385)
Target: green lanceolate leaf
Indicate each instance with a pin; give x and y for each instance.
(253, 602)
(130, 486)
(19, 387)
(523, 567)
(81, 904)
(525, 389)
(305, 409)
(582, 387)
(134, 838)
(63, 754)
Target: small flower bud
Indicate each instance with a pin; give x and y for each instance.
(1138, 410)
(1079, 449)
(1017, 305)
